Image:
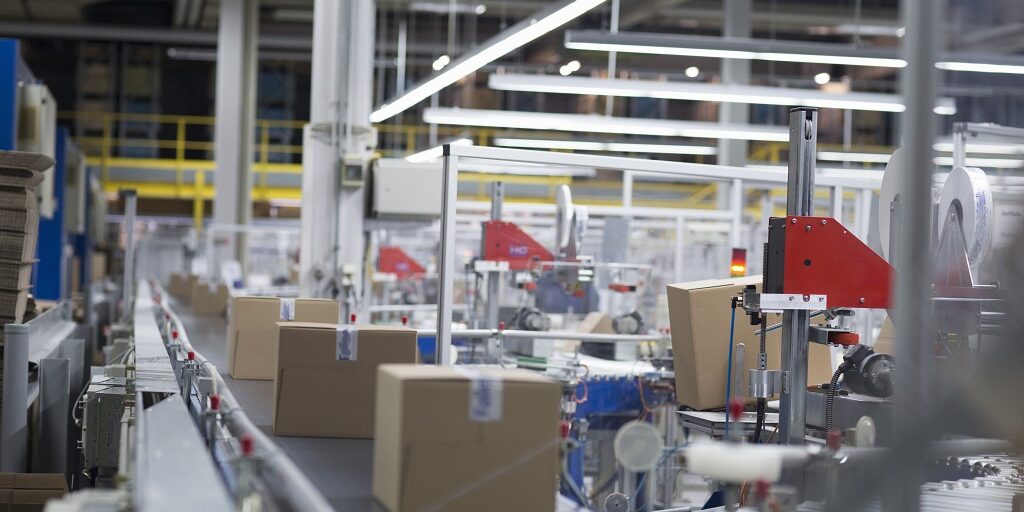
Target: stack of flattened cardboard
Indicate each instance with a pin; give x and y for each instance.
(20, 173)
(29, 492)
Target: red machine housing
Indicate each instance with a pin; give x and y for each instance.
(393, 260)
(505, 241)
(821, 257)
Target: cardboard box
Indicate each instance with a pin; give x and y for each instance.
(209, 298)
(342, 359)
(699, 314)
(180, 286)
(596, 323)
(884, 343)
(465, 439)
(98, 265)
(29, 492)
(252, 331)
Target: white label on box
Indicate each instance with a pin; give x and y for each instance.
(346, 343)
(288, 309)
(485, 396)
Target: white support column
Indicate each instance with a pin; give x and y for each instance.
(237, 35)
(339, 136)
(837, 203)
(736, 205)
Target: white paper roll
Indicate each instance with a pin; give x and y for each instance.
(733, 462)
(886, 195)
(969, 186)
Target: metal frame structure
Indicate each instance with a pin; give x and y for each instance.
(455, 155)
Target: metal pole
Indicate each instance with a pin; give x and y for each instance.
(14, 410)
(918, 79)
(494, 278)
(128, 279)
(736, 204)
(609, 102)
(803, 140)
(446, 271)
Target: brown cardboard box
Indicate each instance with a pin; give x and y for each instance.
(252, 331)
(180, 286)
(886, 338)
(699, 315)
(98, 263)
(596, 323)
(209, 298)
(29, 492)
(311, 357)
(438, 449)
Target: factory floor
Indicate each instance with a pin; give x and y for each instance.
(340, 468)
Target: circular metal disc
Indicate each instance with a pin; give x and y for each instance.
(638, 445)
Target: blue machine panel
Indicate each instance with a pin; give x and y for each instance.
(9, 57)
(50, 272)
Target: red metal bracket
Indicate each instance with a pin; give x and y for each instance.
(824, 258)
(505, 241)
(393, 260)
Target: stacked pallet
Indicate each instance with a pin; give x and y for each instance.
(20, 174)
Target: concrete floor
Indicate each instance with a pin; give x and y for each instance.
(340, 468)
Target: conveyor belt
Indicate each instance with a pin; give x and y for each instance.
(340, 468)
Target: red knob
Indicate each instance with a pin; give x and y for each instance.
(352, 318)
(191, 355)
(247, 445)
(405, 320)
(501, 326)
(174, 334)
(214, 402)
(564, 427)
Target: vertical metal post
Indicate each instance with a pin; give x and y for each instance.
(54, 407)
(680, 248)
(803, 140)
(918, 83)
(736, 205)
(837, 203)
(494, 277)
(627, 189)
(14, 410)
(446, 271)
(959, 145)
(609, 101)
(128, 279)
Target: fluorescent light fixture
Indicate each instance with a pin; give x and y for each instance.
(429, 155)
(731, 48)
(441, 62)
(1001, 163)
(776, 50)
(844, 156)
(981, 67)
(822, 78)
(694, 91)
(692, 72)
(602, 124)
(569, 68)
(494, 48)
(983, 147)
(619, 147)
(447, 7)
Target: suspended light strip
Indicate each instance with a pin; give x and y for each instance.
(494, 48)
(981, 67)
(706, 92)
(843, 156)
(1001, 163)
(602, 124)
(429, 155)
(731, 48)
(776, 50)
(619, 147)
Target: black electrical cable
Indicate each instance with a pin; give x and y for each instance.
(762, 403)
(833, 387)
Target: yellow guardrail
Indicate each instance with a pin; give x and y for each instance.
(184, 145)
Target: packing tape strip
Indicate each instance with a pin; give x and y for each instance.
(346, 343)
(485, 396)
(969, 187)
(287, 309)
